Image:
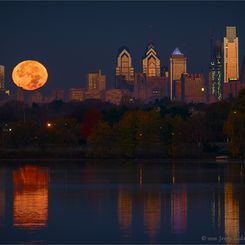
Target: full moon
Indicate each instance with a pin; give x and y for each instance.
(30, 75)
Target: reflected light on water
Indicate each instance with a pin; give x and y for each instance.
(2, 198)
(231, 216)
(178, 211)
(216, 211)
(152, 214)
(124, 210)
(30, 197)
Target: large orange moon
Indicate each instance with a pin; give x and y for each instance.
(30, 75)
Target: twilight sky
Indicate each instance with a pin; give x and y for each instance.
(73, 38)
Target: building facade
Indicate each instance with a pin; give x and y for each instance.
(151, 65)
(150, 88)
(58, 94)
(96, 81)
(124, 66)
(232, 89)
(193, 88)
(177, 68)
(2, 78)
(115, 96)
(231, 64)
(36, 97)
(94, 95)
(215, 72)
(76, 94)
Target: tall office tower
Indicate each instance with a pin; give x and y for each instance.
(215, 70)
(96, 81)
(2, 77)
(177, 68)
(151, 63)
(231, 67)
(125, 67)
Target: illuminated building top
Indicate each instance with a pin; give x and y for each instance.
(231, 64)
(124, 64)
(177, 52)
(151, 62)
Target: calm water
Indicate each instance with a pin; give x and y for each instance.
(122, 203)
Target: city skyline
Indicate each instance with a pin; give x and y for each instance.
(69, 67)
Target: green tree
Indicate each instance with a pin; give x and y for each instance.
(101, 141)
(138, 132)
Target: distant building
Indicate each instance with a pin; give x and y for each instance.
(4, 94)
(177, 68)
(76, 94)
(2, 78)
(178, 90)
(150, 88)
(193, 88)
(115, 96)
(35, 97)
(94, 94)
(58, 94)
(215, 72)
(232, 89)
(123, 84)
(124, 66)
(151, 64)
(164, 72)
(20, 95)
(96, 81)
(231, 65)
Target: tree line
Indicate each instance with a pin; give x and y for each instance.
(162, 128)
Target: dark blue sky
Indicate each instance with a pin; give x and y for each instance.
(73, 38)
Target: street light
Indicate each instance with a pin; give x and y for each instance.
(49, 125)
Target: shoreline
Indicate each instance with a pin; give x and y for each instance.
(79, 155)
(120, 160)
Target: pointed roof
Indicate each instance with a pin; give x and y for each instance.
(121, 49)
(177, 52)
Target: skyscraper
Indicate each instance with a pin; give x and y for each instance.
(2, 77)
(215, 70)
(124, 64)
(151, 63)
(96, 81)
(177, 68)
(231, 67)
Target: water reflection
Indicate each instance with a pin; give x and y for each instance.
(217, 211)
(30, 197)
(124, 207)
(2, 198)
(179, 210)
(139, 204)
(231, 216)
(152, 214)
